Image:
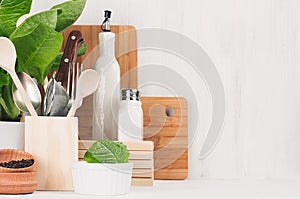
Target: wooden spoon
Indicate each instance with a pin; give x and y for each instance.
(87, 84)
(7, 62)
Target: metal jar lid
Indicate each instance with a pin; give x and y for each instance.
(130, 94)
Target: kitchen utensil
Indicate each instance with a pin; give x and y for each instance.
(75, 76)
(17, 181)
(141, 155)
(56, 100)
(49, 97)
(78, 73)
(67, 70)
(7, 62)
(31, 89)
(60, 96)
(77, 70)
(86, 85)
(60, 102)
(126, 53)
(166, 124)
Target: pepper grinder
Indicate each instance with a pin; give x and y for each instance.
(130, 116)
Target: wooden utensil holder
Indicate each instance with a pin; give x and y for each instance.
(53, 141)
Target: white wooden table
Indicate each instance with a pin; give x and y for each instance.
(203, 189)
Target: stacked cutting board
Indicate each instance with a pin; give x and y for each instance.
(141, 155)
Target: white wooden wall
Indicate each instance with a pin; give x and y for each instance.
(255, 45)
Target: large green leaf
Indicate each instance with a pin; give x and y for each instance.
(68, 13)
(106, 151)
(10, 12)
(36, 50)
(3, 32)
(54, 65)
(48, 18)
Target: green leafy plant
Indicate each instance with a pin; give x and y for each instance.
(106, 151)
(38, 41)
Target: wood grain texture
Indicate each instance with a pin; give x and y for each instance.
(141, 155)
(140, 146)
(53, 141)
(142, 182)
(169, 135)
(7, 155)
(142, 164)
(142, 173)
(17, 181)
(126, 54)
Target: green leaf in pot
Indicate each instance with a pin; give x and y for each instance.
(54, 65)
(68, 13)
(48, 18)
(4, 78)
(106, 151)
(8, 110)
(37, 41)
(7, 102)
(36, 50)
(10, 12)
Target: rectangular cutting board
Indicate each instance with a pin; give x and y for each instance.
(126, 54)
(169, 134)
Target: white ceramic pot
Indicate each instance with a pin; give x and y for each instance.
(102, 179)
(12, 135)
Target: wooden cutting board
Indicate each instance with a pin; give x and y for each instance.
(169, 134)
(126, 54)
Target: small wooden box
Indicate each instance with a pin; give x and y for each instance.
(141, 155)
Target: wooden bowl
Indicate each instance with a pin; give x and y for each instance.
(7, 155)
(17, 181)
